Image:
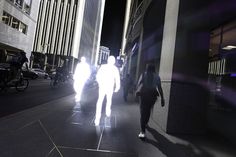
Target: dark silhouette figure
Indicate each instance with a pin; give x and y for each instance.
(149, 84)
(127, 86)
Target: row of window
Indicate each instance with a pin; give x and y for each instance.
(14, 22)
(217, 67)
(53, 31)
(25, 5)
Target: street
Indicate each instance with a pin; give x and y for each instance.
(38, 92)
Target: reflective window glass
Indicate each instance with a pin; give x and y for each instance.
(19, 3)
(6, 18)
(15, 23)
(23, 28)
(27, 6)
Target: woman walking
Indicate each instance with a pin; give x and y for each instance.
(150, 88)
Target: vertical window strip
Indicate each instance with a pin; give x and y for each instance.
(222, 67)
(224, 61)
(58, 29)
(48, 24)
(71, 38)
(212, 68)
(65, 30)
(68, 26)
(209, 67)
(52, 28)
(37, 26)
(45, 24)
(62, 31)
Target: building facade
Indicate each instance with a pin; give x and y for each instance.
(67, 29)
(192, 45)
(17, 26)
(104, 53)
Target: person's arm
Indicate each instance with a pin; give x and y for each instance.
(139, 80)
(160, 91)
(139, 85)
(117, 79)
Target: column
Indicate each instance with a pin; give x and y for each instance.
(78, 28)
(183, 71)
(49, 25)
(69, 26)
(167, 58)
(99, 29)
(39, 46)
(62, 23)
(54, 32)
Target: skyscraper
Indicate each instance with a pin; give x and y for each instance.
(67, 29)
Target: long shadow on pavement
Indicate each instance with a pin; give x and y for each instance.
(174, 149)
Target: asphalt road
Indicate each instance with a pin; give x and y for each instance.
(38, 92)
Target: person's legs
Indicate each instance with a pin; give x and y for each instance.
(99, 106)
(145, 111)
(146, 105)
(109, 102)
(125, 93)
(78, 87)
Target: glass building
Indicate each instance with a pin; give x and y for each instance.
(67, 29)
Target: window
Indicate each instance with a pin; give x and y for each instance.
(19, 3)
(15, 23)
(23, 28)
(6, 18)
(27, 6)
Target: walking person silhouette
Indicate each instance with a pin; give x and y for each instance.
(108, 78)
(149, 88)
(81, 75)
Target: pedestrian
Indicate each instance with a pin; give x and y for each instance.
(149, 88)
(108, 78)
(81, 75)
(127, 86)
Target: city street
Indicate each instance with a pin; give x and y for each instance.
(63, 128)
(117, 78)
(38, 92)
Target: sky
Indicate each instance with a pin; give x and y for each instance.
(112, 29)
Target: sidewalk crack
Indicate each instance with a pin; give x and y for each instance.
(45, 130)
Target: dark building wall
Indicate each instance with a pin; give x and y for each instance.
(189, 98)
(189, 93)
(153, 33)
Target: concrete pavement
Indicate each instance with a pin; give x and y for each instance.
(62, 128)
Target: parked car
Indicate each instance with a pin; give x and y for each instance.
(27, 73)
(41, 73)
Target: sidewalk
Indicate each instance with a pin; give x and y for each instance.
(63, 129)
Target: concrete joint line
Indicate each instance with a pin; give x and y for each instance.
(45, 130)
(50, 151)
(99, 143)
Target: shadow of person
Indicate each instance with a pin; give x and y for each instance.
(171, 149)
